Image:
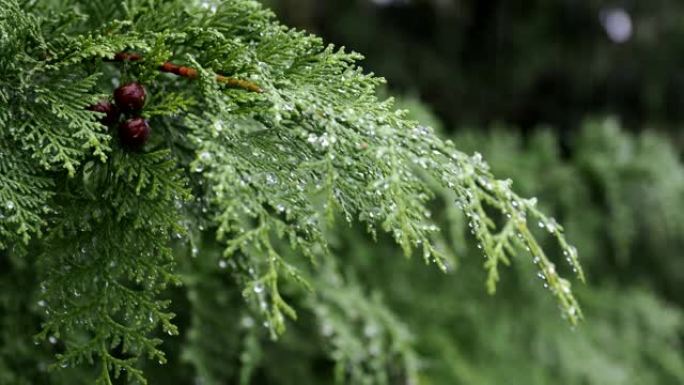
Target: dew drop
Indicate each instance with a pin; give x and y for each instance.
(370, 330)
(247, 322)
(271, 179)
(566, 288)
(551, 270)
(327, 329)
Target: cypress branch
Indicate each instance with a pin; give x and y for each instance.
(263, 176)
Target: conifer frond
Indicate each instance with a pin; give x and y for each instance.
(269, 170)
(24, 196)
(367, 342)
(106, 259)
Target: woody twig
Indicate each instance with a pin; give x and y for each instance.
(190, 73)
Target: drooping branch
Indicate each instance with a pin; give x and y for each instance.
(190, 73)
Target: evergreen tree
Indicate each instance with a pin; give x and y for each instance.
(216, 177)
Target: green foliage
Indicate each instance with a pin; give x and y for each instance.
(368, 343)
(458, 334)
(634, 327)
(629, 188)
(258, 177)
(634, 311)
(106, 258)
(342, 335)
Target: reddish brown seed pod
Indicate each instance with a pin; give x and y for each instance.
(126, 56)
(168, 67)
(111, 112)
(192, 73)
(134, 133)
(187, 72)
(130, 97)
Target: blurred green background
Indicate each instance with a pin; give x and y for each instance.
(521, 62)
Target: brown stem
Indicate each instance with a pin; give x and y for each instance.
(125, 56)
(191, 73)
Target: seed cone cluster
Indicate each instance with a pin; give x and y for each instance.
(129, 100)
(130, 97)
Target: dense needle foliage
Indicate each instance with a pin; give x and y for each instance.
(240, 185)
